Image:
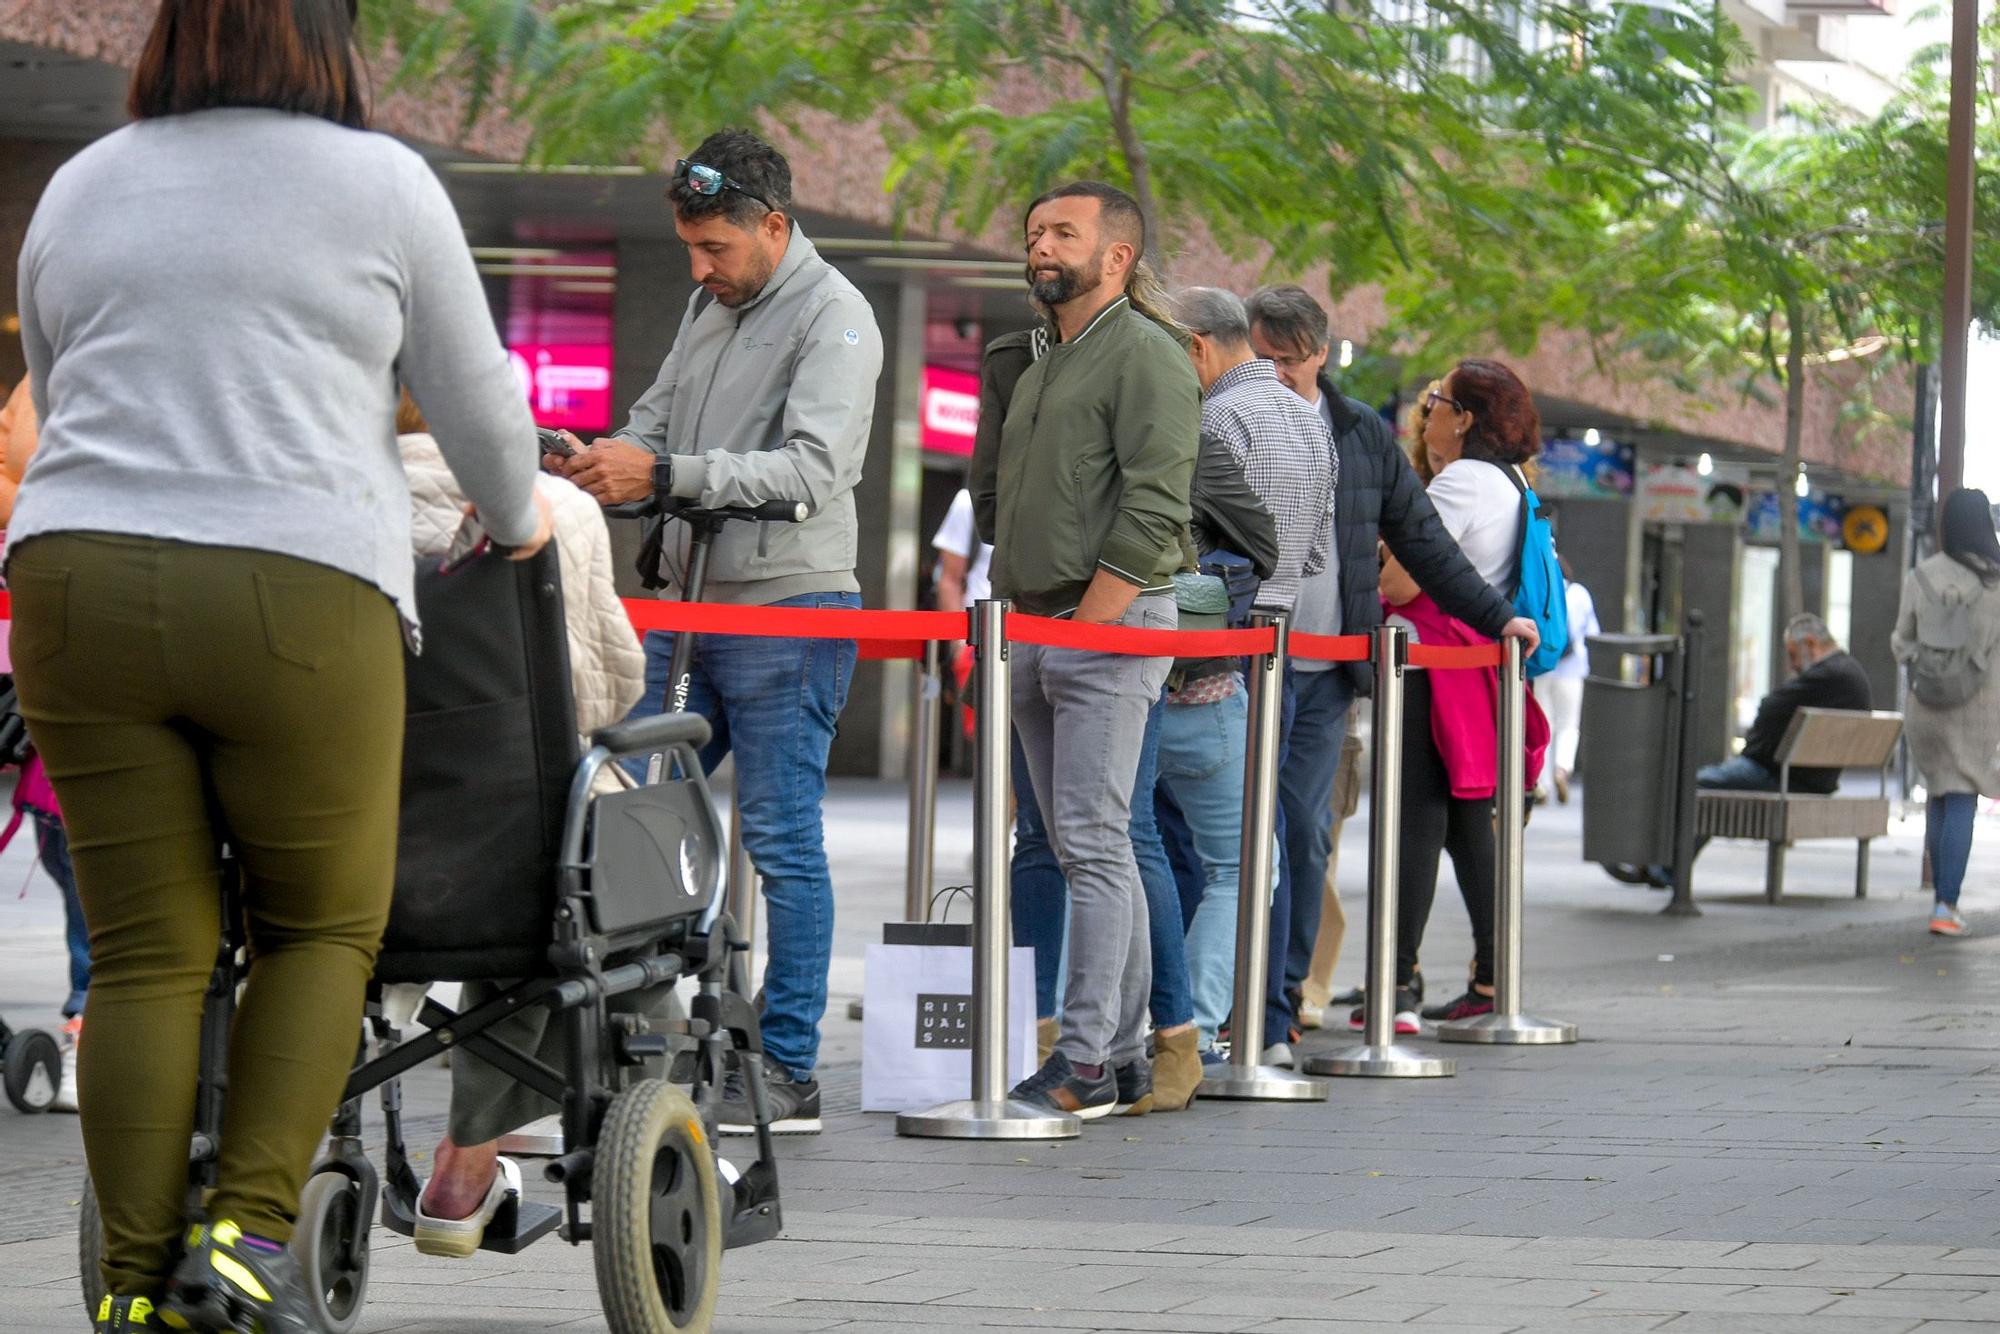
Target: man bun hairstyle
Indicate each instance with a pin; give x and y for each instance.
(1290, 317)
(749, 163)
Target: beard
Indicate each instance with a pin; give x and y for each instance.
(1067, 283)
(746, 288)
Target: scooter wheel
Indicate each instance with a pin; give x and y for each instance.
(333, 1269)
(90, 1247)
(32, 1070)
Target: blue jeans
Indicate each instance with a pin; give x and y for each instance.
(1948, 839)
(1040, 894)
(1738, 773)
(775, 702)
(1201, 766)
(1305, 795)
(52, 849)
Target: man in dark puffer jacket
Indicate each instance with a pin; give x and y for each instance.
(1379, 496)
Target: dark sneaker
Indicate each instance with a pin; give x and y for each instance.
(230, 1280)
(1058, 1087)
(1469, 1006)
(793, 1105)
(1407, 1024)
(1135, 1088)
(119, 1315)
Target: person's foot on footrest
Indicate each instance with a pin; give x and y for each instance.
(792, 1104)
(230, 1280)
(458, 1238)
(1060, 1087)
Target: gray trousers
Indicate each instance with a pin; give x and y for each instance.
(487, 1103)
(1082, 717)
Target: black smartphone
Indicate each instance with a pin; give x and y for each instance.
(554, 442)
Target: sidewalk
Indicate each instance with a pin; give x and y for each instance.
(1780, 1119)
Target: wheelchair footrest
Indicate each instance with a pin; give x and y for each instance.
(515, 1226)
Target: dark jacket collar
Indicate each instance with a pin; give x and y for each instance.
(1345, 418)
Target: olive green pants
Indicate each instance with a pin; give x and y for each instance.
(179, 695)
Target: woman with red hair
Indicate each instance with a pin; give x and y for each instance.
(1480, 427)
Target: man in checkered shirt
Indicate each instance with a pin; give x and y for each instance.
(1286, 453)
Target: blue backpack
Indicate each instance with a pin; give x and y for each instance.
(1539, 592)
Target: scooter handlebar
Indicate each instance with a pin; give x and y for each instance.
(770, 511)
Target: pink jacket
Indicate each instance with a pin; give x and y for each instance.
(1463, 705)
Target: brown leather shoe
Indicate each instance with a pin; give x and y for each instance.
(1176, 1069)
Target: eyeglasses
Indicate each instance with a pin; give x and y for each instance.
(1292, 363)
(706, 180)
(1437, 396)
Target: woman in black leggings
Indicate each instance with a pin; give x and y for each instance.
(1479, 423)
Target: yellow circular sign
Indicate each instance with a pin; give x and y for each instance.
(1865, 529)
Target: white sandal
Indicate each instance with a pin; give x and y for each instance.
(458, 1238)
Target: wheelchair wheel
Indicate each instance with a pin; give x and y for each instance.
(32, 1070)
(656, 1214)
(329, 1218)
(90, 1247)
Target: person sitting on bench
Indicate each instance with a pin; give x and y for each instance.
(1826, 677)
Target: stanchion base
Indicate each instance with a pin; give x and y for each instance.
(854, 1010)
(1390, 1062)
(1262, 1083)
(1677, 908)
(1005, 1119)
(1509, 1029)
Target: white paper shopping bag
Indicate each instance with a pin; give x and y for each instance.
(916, 1025)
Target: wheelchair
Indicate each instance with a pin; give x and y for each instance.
(510, 872)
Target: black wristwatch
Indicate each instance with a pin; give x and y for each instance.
(663, 475)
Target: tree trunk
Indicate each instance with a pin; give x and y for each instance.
(1791, 581)
(1118, 84)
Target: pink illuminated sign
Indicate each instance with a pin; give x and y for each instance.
(949, 409)
(567, 385)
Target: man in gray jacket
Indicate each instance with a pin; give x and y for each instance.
(767, 394)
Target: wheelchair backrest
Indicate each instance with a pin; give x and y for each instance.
(488, 752)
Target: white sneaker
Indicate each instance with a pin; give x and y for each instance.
(1945, 921)
(72, 1038)
(1311, 1016)
(1278, 1054)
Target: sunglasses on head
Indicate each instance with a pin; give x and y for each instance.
(707, 180)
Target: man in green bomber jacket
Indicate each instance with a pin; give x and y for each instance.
(1085, 505)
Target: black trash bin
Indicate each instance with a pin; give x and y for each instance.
(1638, 794)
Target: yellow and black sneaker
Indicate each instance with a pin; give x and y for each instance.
(118, 1315)
(230, 1280)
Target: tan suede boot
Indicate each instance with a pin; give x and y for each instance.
(1176, 1069)
(1046, 1033)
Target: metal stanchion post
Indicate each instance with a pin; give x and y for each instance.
(1689, 668)
(926, 706)
(742, 886)
(1246, 1077)
(920, 859)
(1507, 1024)
(989, 1113)
(1379, 1056)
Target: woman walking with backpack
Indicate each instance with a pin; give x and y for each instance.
(1946, 635)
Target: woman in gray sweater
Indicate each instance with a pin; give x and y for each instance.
(1954, 597)
(211, 584)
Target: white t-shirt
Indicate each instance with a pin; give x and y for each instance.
(958, 536)
(1482, 512)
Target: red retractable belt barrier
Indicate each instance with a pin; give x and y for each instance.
(715, 618)
(1330, 648)
(1447, 657)
(1135, 642)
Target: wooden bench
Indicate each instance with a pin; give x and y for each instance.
(1816, 739)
